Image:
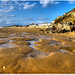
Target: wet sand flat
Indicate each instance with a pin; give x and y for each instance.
(27, 50)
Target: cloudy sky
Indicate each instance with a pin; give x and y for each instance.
(26, 12)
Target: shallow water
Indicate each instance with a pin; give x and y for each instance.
(13, 34)
(7, 45)
(25, 33)
(63, 50)
(4, 38)
(38, 53)
(32, 44)
(52, 44)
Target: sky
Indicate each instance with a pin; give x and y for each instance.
(27, 12)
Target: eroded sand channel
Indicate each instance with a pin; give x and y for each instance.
(6, 43)
(35, 52)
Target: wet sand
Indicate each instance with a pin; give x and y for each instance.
(25, 50)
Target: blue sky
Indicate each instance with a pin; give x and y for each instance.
(26, 12)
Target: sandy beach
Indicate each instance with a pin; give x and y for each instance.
(31, 51)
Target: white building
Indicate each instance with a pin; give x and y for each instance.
(32, 26)
(43, 25)
(1, 27)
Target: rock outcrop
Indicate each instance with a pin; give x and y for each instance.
(65, 23)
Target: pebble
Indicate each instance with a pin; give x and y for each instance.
(12, 53)
(4, 67)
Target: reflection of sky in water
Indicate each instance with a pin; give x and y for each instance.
(63, 50)
(32, 44)
(52, 44)
(7, 45)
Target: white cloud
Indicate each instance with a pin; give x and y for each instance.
(5, 22)
(8, 6)
(71, 2)
(28, 19)
(57, 2)
(11, 7)
(2, 21)
(43, 18)
(5, 10)
(39, 22)
(8, 22)
(46, 3)
(39, 18)
(29, 6)
(7, 16)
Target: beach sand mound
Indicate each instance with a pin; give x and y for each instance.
(22, 39)
(3, 41)
(3, 35)
(70, 48)
(25, 49)
(60, 39)
(16, 50)
(10, 56)
(57, 63)
(68, 43)
(22, 43)
(43, 42)
(48, 48)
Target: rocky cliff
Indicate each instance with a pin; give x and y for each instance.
(70, 16)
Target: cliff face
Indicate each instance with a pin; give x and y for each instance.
(70, 16)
